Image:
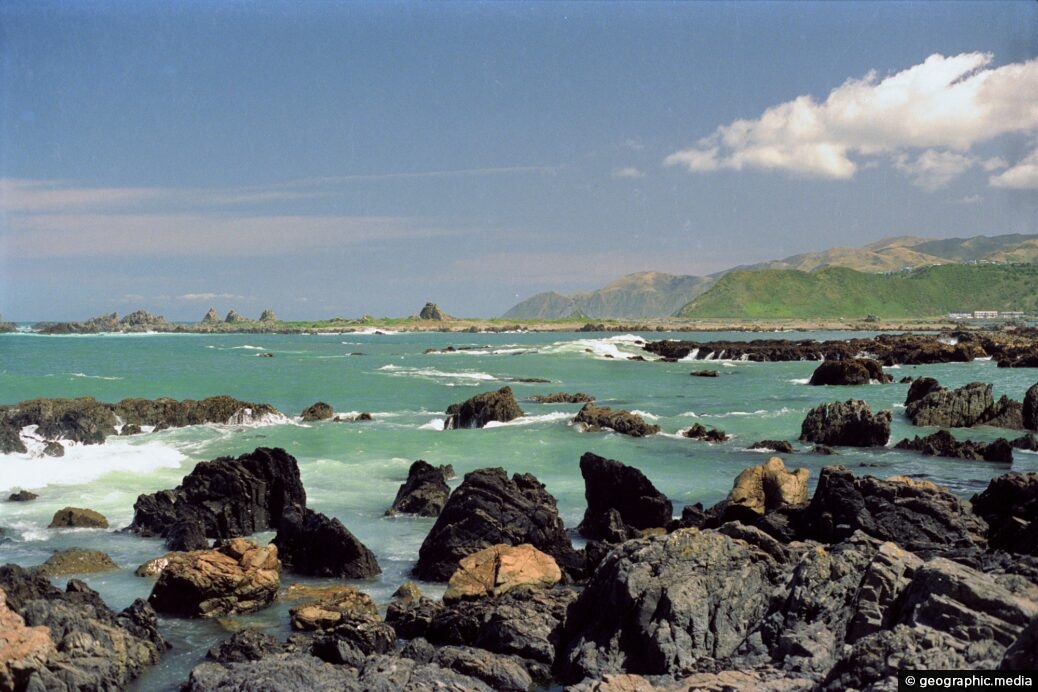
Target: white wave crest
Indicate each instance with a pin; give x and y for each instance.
(246, 417)
(531, 420)
(451, 378)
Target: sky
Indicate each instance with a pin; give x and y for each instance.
(340, 159)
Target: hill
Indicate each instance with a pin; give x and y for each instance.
(654, 294)
(840, 292)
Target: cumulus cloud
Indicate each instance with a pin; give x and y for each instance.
(1022, 176)
(926, 119)
(630, 172)
(209, 296)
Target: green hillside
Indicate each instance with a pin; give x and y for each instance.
(839, 292)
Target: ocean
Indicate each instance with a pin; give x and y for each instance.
(406, 381)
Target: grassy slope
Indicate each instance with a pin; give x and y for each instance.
(839, 292)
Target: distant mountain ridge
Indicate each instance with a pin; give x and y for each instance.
(655, 294)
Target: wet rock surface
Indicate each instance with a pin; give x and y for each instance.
(849, 423)
(623, 422)
(317, 545)
(424, 493)
(499, 406)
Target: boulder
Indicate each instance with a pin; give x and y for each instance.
(499, 406)
(701, 432)
(186, 535)
(499, 569)
(1009, 505)
(93, 647)
(229, 497)
(850, 423)
(917, 515)
(777, 446)
(249, 644)
(561, 398)
(1029, 413)
(943, 444)
(25, 650)
(704, 373)
(665, 604)
(76, 561)
(238, 576)
(22, 496)
(621, 497)
(78, 517)
(84, 420)
(53, 448)
(336, 605)
(502, 673)
(768, 487)
(965, 407)
(424, 493)
(313, 544)
(489, 508)
(318, 411)
(291, 672)
(623, 422)
(855, 371)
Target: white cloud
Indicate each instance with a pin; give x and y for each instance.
(1022, 176)
(944, 106)
(630, 172)
(970, 199)
(206, 297)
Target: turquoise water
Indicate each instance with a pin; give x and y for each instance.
(352, 470)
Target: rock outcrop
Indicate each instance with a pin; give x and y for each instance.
(1009, 505)
(236, 577)
(943, 444)
(623, 422)
(855, 371)
(965, 407)
(500, 568)
(621, 501)
(25, 650)
(22, 496)
(850, 423)
(228, 497)
(699, 431)
(767, 487)
(431, 311)
(211, 317)
(336, 605)
(499, 406)
(561, 398)
(78, 517)
(1029, 412)
(424, 493)
(316, 412)
(76, 561)
(489, 508)
(268, 316)
(313, 544)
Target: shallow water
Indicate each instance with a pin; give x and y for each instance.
(352, 470)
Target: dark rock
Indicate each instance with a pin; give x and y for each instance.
(187, 535)
(130, 429)
(82, 420)
(11, 439)
(476, 412)
(424, 493)
(1029, 413)
(943, 444)
(77, 517)
(352, 641)
(313, 544)
(170, 413)
(965, 407)
(96, 648)
(849, 423)
(22, 496)
(917, 515)
(503, 673)
(283, 672)
(1010, 507)
(623, 422)
(52, 448)
(823, 450)
(1026, 442)
(235, 577)
(1023, 653)
(562, 398)
(920, 388)
(663, 604)
(907, 379)
(76, 561)
(619, 494)
(701, 432)
(249, 644)
(432, 311)
(704, 373)
(319, 411)
(233, 317)
(489, 508)
(229, 497)
(777, 446)
(849, 372)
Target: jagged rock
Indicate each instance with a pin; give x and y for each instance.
(78, 517)
(659, 605)
(1023, 653)
(424, 493)
(76, 561)
(777, 446)
(25, 650)
(249, 644)
(234, 318)
(95, 648)
(502, 673)
(268, 316)
(476, 412)
(701, 432)
(489, 508)
(313, 544)
(499, 569)
(319, 411)
(917, 515)
(170, 413)
(353, 640)
(849, 372)
(22, 496)
(943, 444)
(1010, 507)
(283, 671)
(1029, 413)
(211, 317)
(1026, 442)
(187, 535)
(768, 487)
(236, 577)
(337, 604)
(849, 423)
(53, 448)
(620, 500)
(229, 497)
(623, 422)
(10, 438)
(130, 429)
(561, 398)
(431, 311)
(965, 407)
(83, 420)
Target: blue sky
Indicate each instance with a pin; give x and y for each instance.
(329, 159)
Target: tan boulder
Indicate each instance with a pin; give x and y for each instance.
(22, 649)
(769, 486)
(499, 569)
(76, 561)
(334, 605)
(78, 517)
(237, 577)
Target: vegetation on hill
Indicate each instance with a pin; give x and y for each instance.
(841, 292)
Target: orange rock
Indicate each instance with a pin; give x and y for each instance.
(22, 649)
(499, 569)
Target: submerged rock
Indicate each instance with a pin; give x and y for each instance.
(561, 398)
(850, 423)
(499, 406)
(22, 496)
(76, 561)
(623, 422)
(701, 432)
(943, 444)
(855, 371)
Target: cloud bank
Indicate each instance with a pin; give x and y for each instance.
(926, 119)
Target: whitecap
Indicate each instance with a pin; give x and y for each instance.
(466, 378)
(645, 414)
(800, 380)
(532, 420)
(434, 424)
